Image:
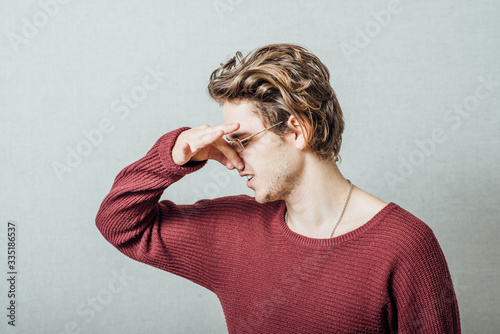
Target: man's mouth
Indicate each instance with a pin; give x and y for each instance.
(250, 178)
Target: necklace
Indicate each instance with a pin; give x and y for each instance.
(341, 214)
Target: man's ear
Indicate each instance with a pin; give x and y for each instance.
(301, 131)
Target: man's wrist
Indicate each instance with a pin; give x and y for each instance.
(165, 149)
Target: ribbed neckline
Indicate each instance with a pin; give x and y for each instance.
(325, 242)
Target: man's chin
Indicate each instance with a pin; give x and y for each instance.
(258, 198)
(263, 198)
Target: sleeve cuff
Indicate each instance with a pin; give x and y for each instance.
(164, 148)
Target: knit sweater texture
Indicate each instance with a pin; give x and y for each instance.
(387, 276)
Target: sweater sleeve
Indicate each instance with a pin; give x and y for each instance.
(161, 234)
(424, 299)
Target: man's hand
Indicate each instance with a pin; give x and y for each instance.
(205, 142)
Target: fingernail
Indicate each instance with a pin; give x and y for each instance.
(240, 165)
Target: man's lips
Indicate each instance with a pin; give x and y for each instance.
(250, 180)
(249, 177)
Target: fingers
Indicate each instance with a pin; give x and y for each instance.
(206, 142)
(210, 135)
(227, 128)
(224, 129)
(226, 155)
(230, 157)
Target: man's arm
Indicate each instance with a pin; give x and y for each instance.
(423, 292)
(165, 235)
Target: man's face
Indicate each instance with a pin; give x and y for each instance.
(270, 159)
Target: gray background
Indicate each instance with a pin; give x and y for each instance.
(67, 68)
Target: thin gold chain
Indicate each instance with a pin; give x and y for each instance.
(341, 214)
(343, 209)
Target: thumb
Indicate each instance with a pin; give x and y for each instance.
(184, 155)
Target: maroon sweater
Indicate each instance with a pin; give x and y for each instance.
(389, 275)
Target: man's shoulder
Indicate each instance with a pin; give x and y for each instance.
(402, 222)
(406, 232)
(406, 221)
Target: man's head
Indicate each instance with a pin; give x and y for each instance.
(283, 80)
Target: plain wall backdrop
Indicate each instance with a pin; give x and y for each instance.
(87, 87)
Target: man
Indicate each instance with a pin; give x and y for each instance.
(311, 252)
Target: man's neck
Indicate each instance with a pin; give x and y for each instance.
(315, 205)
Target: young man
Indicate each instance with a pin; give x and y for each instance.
(311, 252)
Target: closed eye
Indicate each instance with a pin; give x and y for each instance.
(235, 136)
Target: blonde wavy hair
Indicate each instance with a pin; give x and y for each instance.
(283, 80)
